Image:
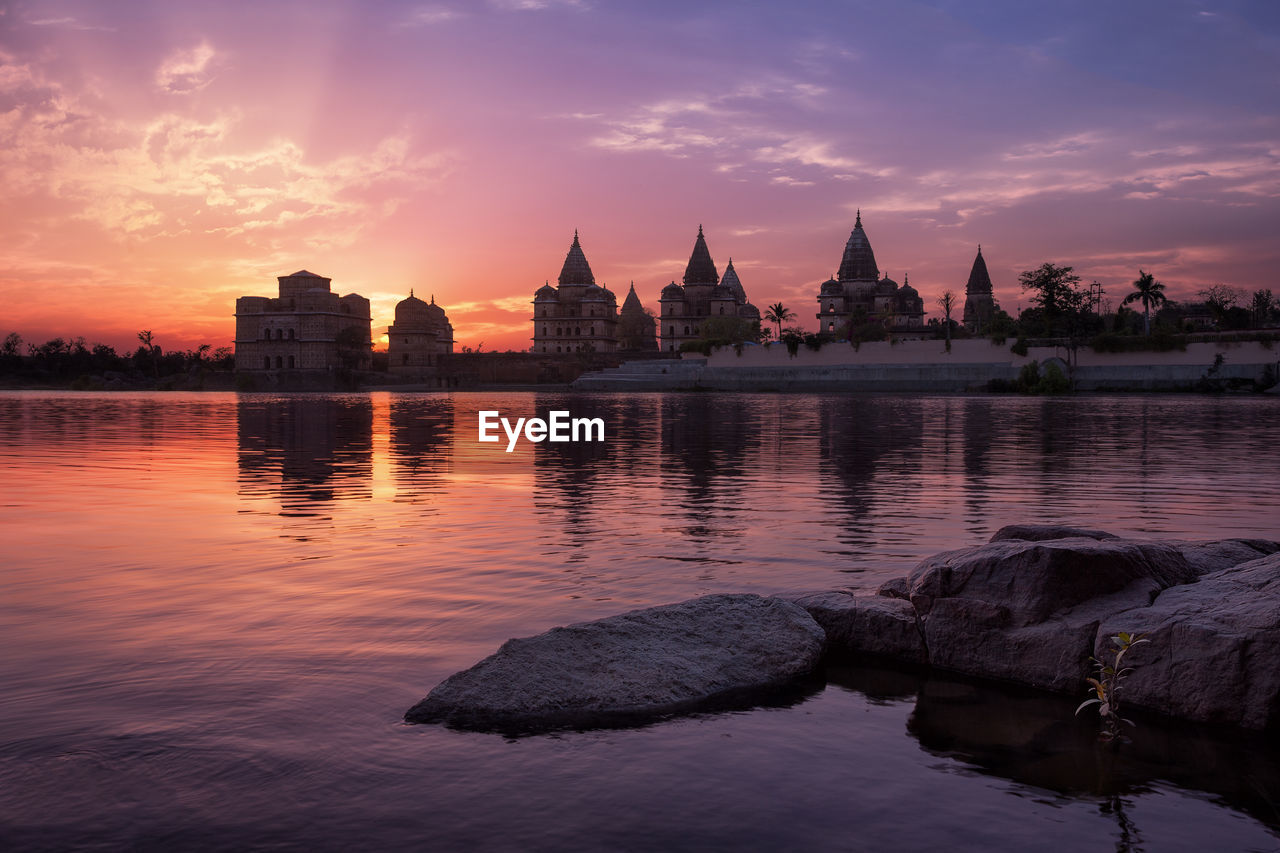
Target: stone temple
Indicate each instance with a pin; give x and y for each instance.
(306, 328)
(577, 315)
(417, 339)
(703, 298)
(858, 294)
(979, 300)
(637, 330)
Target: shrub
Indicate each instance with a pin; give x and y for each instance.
(1106, 687)
(1053, 381)
(1029, 377)
(1019, 347)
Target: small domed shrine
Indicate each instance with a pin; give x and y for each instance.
(419, 336)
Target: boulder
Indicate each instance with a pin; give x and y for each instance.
(1028, 611)
(632, 667)
(1042, 532)
(1214, 648)
(1207, 557)
(867, 624)
(895, 588)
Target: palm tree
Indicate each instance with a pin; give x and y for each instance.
(779, 314)
(1149, 292)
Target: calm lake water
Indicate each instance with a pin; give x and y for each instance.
(214, 610)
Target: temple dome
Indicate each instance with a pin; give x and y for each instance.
(576, 270)
(831, 287)
(858, 262)
(701, 269)
(631, 305)
(545, 293)
(673, 291)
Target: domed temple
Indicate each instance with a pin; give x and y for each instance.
(703, 296)
(577, 315)
(417, 339)
(637, 330)
(979, 300)
(858, 294)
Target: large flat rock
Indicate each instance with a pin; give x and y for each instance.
(626, 668)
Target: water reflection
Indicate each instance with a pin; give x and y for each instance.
(421, 445)
(1035, 739)
(305, 450)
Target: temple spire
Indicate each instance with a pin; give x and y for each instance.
(701, 269)
(576, 270)
(857, 223)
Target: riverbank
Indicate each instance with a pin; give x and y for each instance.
(930, 366)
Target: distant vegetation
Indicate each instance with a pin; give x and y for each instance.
(76, 364)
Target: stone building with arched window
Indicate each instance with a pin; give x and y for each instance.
(307, 327)
(858, 294)
(704, 296)
(577, 315)
(417, 339)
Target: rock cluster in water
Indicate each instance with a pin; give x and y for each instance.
(1032, 606)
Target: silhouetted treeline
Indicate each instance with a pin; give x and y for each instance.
(78, 364)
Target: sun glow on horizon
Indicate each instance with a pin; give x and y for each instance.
(159, 164)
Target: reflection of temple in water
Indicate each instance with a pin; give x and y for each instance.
(305, 451)
(708, 445)
(571, 478)
(859, 440)
(421, 445)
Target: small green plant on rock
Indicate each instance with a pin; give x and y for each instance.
(1106, 687)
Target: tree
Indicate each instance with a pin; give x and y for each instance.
(1220, 298)
(148, 341)
(947, 301)
(1054, 290)
(1261, 305)
(779, 314)
(1150, 293)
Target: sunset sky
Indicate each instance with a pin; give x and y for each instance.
(160, 159)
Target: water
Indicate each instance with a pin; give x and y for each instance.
(214, 610)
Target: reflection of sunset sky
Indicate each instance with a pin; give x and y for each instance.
(159, 161)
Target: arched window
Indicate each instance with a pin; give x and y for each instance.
(279, 334)
(405, 358)
(279, 362)
(831, 327)
(266, 334)
(544, 312)
(831, 306)
(672, 331)
(291, 361)
(544, 330)
(721, 309)
(291, 334)
(686, 330)
(577, 330)
(266, 362)
(558, 349)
